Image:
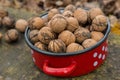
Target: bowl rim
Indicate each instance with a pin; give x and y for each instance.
(27, 40)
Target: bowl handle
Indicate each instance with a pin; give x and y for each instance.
(59, 71)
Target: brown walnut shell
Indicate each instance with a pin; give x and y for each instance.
(93, 12)
(67, 37)
(21, 25)
(72, 24)
(58, 23)
(89, 43)
(11, 35)
(40, 46)
(70, 7)
(73, 47)
(52, 12)
(57, 46)
(81, 15)
(81, 34)
(34, 36)
(45, 35)
(8, 22)
(36, 23)
(97, 35)
(99, 23)
(67, 14)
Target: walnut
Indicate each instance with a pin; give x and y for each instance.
(3, 13)
(8, 22)
(58, 23)
(73, 47)
(11, 35)
(1, 36)
(36, 23)
(81, 15)
(57, 46)
(72, 24)
(21, 25)
(67, 37)
(67, 2)
(52, 12)
(70, 7)
(40, 46)
(89, 43)
(67, 14)
(99, 23)
(45, 35)
(97, 35)
(34, 36)
(81, 34)
(93, 12)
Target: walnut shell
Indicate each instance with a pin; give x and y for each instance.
(73, 47)
(21, 25)
(57, 46)
(52, 12)
(45, 35)
(81, 34)
(1, 36)
(70, 7)
(67, 37)
(67, 2)
(36, 23)
(3, 13)
(11, 35)
(93, 12)
(34, 36)
(58, 23)
(72, 24)
(67, 14)
(97, 35)
(89, 43)
(81, 15)
(8, 22)
(99, 23)
(40, 46)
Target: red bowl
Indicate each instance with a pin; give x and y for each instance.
(70, 64)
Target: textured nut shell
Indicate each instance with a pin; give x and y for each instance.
(52, 12)
(99, 23)
(45, 35)
(34, 36)
(21, 25)
(73, 47)
(67, 14)
(89, 43)
(70, 7)
(81, 34)
(1, 36)
(36, 23)
(40, 46)
(3, 13)
(80, 15)
(67, 37)
(58, 24)
(97, 35)
(67, 2)
(93, 12)
(72, 24)
(11, 35)
(8, 22)
(57, 46)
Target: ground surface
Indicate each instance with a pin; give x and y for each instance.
(16, 61)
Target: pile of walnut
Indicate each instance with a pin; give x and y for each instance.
(69, 31)
(14, 27)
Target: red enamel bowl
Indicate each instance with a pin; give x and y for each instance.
(70, 64)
